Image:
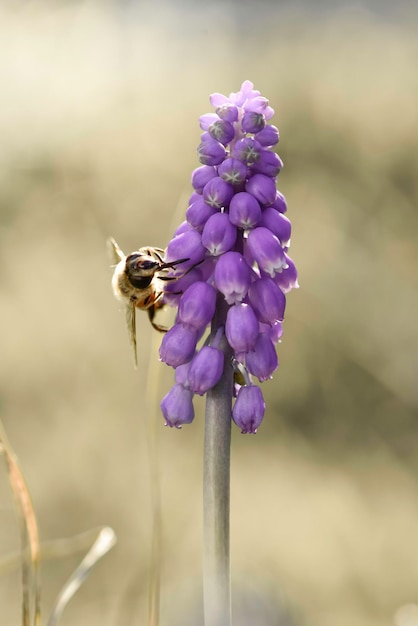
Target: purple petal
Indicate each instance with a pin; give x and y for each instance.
(268, 163)
(187, 245)
(249, 408)
(206, 120)
(262, 361)
(267, 300)
(244, 210)
(199, 212)
(233, 171)
(241, 327)
(262, 188)
(197, 306)
(202, 175)
(177, 406)
(206, 369)
(265, 248)
(269, 136)
(232, 277)
(217, 193)
(279, 225)
(211, 152)
(178, 345)
(219, 235)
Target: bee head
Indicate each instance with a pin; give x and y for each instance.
(140, 266)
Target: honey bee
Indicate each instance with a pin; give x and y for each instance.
(138, 281)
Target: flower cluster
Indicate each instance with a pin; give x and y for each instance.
(236, 237)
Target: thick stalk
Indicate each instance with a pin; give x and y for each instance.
(216, 481)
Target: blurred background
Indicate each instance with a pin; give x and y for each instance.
(99, 107)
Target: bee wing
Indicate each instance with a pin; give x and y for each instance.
(115, 252)
(130, 316)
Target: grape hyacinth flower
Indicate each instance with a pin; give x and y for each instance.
(236, 238)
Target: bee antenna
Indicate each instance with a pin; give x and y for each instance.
(173, 264)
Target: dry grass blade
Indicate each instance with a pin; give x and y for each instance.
(28, 531)
(106, 539)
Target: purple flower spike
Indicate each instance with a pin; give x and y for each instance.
(268, 163)
(241, 327)
(177, 406)
(279, 225)
(199, 212)
(244, 210)
(206, 369)
(262, 188)
(219, 235)
(197, 306)
(218, 193)
(211, 152)
(266, 250)
(201, 176)
(262, 361)
(247, 150)
(187, 245)
(222, 131)
(269, 136)
(249, 408)
(178, 345)
(232, 277)
(253, 122)
(267, 300)
(234, 241)
(233, 171)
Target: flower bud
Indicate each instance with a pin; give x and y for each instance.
(269, 136)
(266, 250)
(262, 361)
(241, 328)
(259, 104)
(206, 369)
(247, 150)
(233, 171)
(267, 300)
(177, 406)
(228, 112)
(268, 163)
(211, 152)
(244, 210)
(199, 212)
(207, 119)
(232, 276)
(217, 193)
(202, 175)
(262, 188)
(219, 235)
(280, 203)
(222, 131)
(278, 223)
(178, 345)
(252, 122)
(249, 408)
(187, 245)
(197, 306)
(287, 279)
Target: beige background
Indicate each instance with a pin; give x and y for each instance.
(98, 130)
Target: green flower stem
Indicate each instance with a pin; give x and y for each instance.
(216, 481)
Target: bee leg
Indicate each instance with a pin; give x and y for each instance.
(151, 314)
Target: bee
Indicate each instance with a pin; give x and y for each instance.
(138, 281)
